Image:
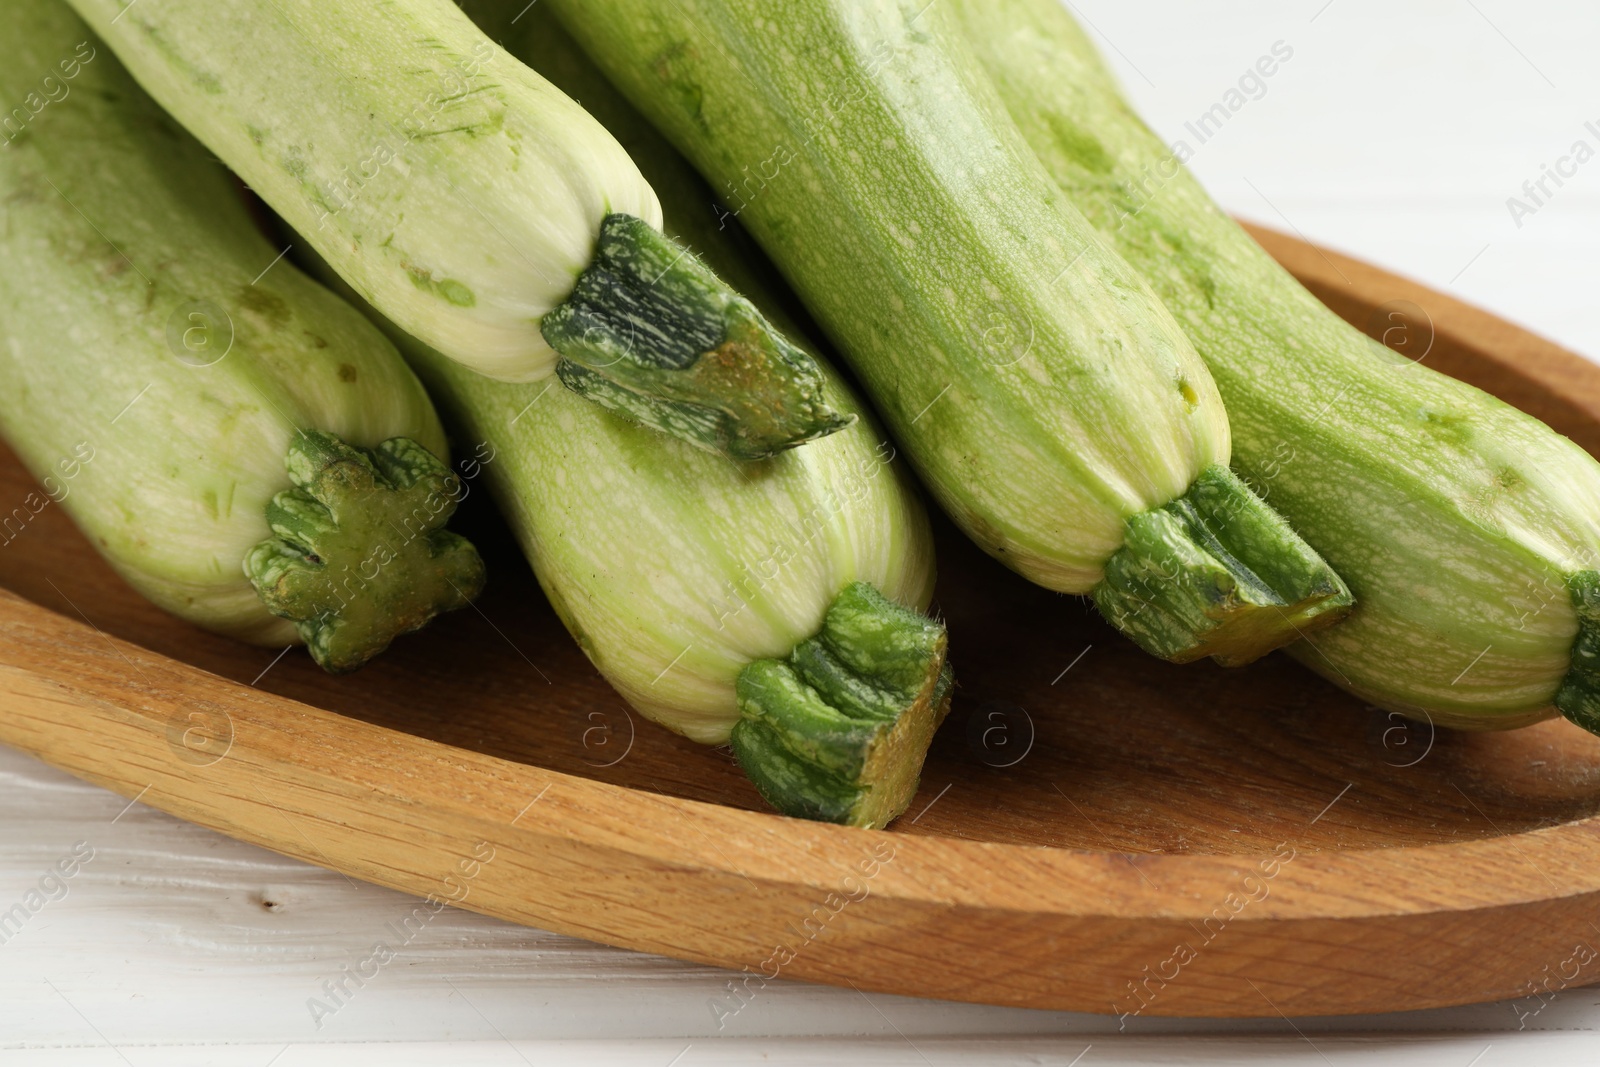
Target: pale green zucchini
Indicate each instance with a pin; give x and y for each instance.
(1049, 401)
(1469, 531)
(197, 407)
(474, 204)
(771, 605)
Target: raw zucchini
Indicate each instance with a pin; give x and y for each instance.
(1049, 401)
(473, 203)
(1469, 531)
(773, 605)
(200, 409)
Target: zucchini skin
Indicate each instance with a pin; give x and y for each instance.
(451, 186)
(114, 226)
(474, 204)
(678, 571)
(1040, 389)
(1463, 526)
(673, 568)
(731, 603)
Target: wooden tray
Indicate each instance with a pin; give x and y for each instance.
(1243, 842)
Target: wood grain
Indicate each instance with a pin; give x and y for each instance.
(1085, 813)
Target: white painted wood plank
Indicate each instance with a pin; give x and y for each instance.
(1465, 1050)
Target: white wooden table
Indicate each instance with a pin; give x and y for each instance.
(1397, 130)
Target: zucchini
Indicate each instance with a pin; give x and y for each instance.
(775, 606)
(471, 202)
(1469, 531)
(1050, 402)
(200, 409)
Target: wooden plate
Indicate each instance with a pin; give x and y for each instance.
(1235, 842)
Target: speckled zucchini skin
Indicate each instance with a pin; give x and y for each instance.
(474, 204)
(1469, 531)
(156, 358)
(451, 186)
(1041, 390)
(703, 589)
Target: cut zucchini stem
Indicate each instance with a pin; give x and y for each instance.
(838, 730)
(1217, 573)
(359, 554)
(651, 333)
(1579, 696)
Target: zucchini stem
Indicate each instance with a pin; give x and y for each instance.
(1217, 573)
(1579, 696)
(359, 554)
(651, 333)
(838, 730)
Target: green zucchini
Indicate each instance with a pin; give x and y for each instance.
(471, 202)
(200, 409)
(774, 606)
(1469, 531)
(1050, 402)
